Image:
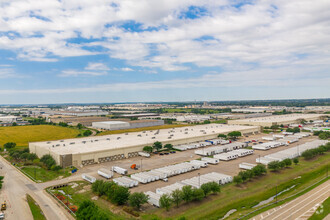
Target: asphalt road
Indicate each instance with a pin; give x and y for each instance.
(16, 186)
(300, 208)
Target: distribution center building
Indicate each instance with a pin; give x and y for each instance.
(276, 119)
(118, 125)
(99, 149)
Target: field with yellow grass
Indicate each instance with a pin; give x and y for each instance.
(22, 135)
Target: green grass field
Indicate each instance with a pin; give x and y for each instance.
(143, 129)
(22, 135)
(35, 209)
(43, 175)
(322, 211)
(247, 195)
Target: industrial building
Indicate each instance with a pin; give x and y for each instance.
(99, 149)
(118, 125)
(276, 120)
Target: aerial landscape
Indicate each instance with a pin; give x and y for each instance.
(171, 110)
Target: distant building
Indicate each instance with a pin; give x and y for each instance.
(119, 125)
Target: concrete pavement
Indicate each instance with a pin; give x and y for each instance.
(299, 208)
(16, 186)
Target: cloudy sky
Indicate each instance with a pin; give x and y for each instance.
(57, 51)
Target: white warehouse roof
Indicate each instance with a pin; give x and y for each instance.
(126, 140)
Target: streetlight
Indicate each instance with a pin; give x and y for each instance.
(199, 180)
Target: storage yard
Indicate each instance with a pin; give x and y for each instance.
(276, 119)
(100, 149)
(155, 162)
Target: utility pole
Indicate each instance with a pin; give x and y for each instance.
(276, 193)
(199, 180)
(141, 165)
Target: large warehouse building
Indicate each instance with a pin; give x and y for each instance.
(84, 151)
(118, 125)
(276, 120)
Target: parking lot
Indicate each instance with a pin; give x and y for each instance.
(157, 161)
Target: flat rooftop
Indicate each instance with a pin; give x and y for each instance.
(280, 118)
(117, 141)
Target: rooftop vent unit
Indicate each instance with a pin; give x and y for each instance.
(84, 142)
(96, 140)
(57, 145)
(118, 138)
(153, 137)
(108, 139)
(48, 142)
(61, 140)
(72, 143)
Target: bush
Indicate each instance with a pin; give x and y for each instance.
(168, 146)
(56, 168)
(206, 187)
(259, 170)
(215, 187)
(87, 133)
(9, 145)
(120, 195)
(88, 210)
(131, 211)
(48, 161)
(296, 160)
(222, 136)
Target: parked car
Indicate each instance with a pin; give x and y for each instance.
(167, 153)
(172, 152)
(165, 180)
(161, 154)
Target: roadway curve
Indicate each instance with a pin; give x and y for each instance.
(300, 208)
(15, 187)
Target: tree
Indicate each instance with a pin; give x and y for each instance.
(296, 160)
(157, 146)
(32, 156)
(79, 126)
(274, 127)
(274, 165)
(215, 187)
(24, 156)
(234, 134)
(238, 179)
(282, 164)
(14, 124)
(9, 145)
(147, 149)
(177, 197)
(48, 161)
(168, 146)
(206, 187)
(222, 136)
(207, 122)
(165, 202)
(187, 193)
(198, 194)
(137, 199)
(288, 162)
(89, 211)
(120, 195)
(259, 170)
(324, 135)
(87, 133)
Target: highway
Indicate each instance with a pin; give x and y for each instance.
(300, 208)
(15, 187)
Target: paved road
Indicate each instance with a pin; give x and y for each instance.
(14, 191)
(300, 208)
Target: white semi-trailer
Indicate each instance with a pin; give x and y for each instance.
(88, 178)
(105, 173)
(119, 170)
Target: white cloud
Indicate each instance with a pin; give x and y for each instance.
(126, 69)
(75, 73)
(97, 66)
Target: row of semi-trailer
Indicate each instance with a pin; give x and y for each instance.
(200, 144)
(232, 155)
(126, 182)
(220, 149)
(195, 182)
(291, 152)
(168, 171)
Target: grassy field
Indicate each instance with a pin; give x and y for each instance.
(143, 129)
(247, 195)
(35, 209)
(43, 175)
(81, 190)
(322, 211)
(22, 135)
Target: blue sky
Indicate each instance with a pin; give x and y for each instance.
(118, 51)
